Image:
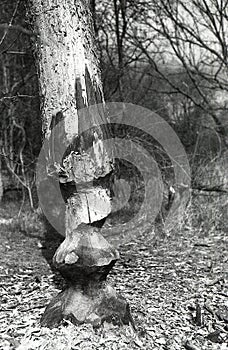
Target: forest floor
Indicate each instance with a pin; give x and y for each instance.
(176, 287)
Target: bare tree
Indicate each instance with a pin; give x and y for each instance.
(193, 38)
(18, 99)
(113, 20)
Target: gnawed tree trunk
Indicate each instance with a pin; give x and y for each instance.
(70, 80)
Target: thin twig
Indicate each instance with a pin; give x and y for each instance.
(10, 22)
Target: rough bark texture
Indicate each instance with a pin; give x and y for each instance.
(70, 80)
(1, 181)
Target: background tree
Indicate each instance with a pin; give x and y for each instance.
(19, 103)
(192, 37)
(1, 180)
(175, 63)
(193, 44)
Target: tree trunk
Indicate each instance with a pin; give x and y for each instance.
(69, 81)
(1, 181)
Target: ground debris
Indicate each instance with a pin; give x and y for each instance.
(172, 292)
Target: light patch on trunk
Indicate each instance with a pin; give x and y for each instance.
(98, 148)
(90, 205)
(83, 168)
(80, 65)
(71, 124)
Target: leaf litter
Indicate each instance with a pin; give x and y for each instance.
(177, 290)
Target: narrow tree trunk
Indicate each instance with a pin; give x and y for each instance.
(70, 80)
(1, 181)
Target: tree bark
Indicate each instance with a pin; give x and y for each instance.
(69, 81)
(1, 181)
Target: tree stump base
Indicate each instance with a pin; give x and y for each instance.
(84, 259)
(91, 304)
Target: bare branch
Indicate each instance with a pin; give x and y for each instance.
(21, 29)
(10, 23)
